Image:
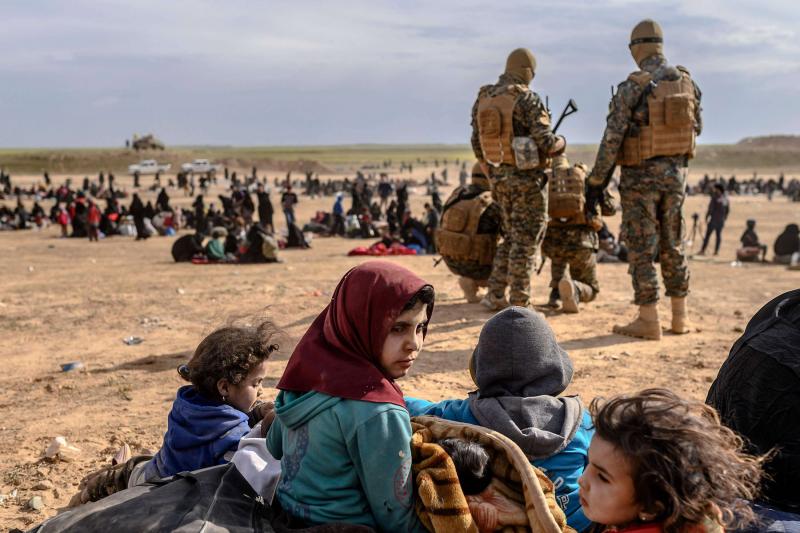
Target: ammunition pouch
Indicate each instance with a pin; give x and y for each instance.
(526, 153)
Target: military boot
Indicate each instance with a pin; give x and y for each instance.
(680, 317)
(644, 326)
(470, 288)
(555, 299)
(494, 303)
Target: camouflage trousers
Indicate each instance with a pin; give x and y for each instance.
(469, 269)
(652, 217)
(523, 204)
(572, 247)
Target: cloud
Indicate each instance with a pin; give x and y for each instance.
(357, 70)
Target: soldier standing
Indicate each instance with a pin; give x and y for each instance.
(513, 142)
(652, 123)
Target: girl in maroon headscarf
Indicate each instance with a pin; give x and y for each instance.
(342, 431)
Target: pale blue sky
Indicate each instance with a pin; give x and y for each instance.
(247, 72)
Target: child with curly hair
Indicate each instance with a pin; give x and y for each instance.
(208, 417)
(658, 463)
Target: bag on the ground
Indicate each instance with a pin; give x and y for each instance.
(212, 500)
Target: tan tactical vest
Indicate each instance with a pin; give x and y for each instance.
(458, 238)
(670, 128)
(566, 188)
(495, 126)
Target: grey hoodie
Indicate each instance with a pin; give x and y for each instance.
(520, 369)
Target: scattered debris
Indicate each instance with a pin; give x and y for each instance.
(44, 485)
(180, 291)
(60, 449)
(123, 455)
(131, 341)
(150, 321)
(73, 365)
(30, 268)
(36, 503)
(738, 329)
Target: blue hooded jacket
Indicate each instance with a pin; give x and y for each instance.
(199, 433)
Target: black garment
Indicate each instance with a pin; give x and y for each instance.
(199, 215)
(296, 239)
(254, 252)
(149, 211)
(788, 242)
(184, 248)
(137, 212)
(162, 202)
(79, 220)
(757, 394)
(265, 209)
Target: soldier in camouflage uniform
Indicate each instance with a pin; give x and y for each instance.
(571, 239)
(473, 272)
(505, 113)
(651, 127)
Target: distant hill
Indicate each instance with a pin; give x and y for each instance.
(772, 142)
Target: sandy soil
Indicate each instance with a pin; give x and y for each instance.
(64, 300)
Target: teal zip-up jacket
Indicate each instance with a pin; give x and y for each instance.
(344, 461)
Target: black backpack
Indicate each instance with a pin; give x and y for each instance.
(211, 500)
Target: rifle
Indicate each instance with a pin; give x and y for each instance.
(569, 109)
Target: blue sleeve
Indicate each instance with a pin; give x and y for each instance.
(565, 468)
(381, 453)
(455, 410)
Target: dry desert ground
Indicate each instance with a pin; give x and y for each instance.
(65, 300)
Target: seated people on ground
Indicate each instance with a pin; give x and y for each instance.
(787, 245)
(757, 394)
(609, 250)
(261, 246)
(208, 417)
(215, 248)
(752, 249)
(341, 431)
(520, 370)
(186, 247)
(659, 463)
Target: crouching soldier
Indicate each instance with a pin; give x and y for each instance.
(571, 238)
(467, 238)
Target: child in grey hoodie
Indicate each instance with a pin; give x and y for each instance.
(520, 370)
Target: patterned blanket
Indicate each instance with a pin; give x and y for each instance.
(519, 499)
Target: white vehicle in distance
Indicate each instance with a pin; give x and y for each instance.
(201, 166)
(148, 166)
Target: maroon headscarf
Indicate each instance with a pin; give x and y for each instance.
(339, 354)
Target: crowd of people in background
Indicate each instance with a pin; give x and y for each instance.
(371, 205)
(755, 185)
